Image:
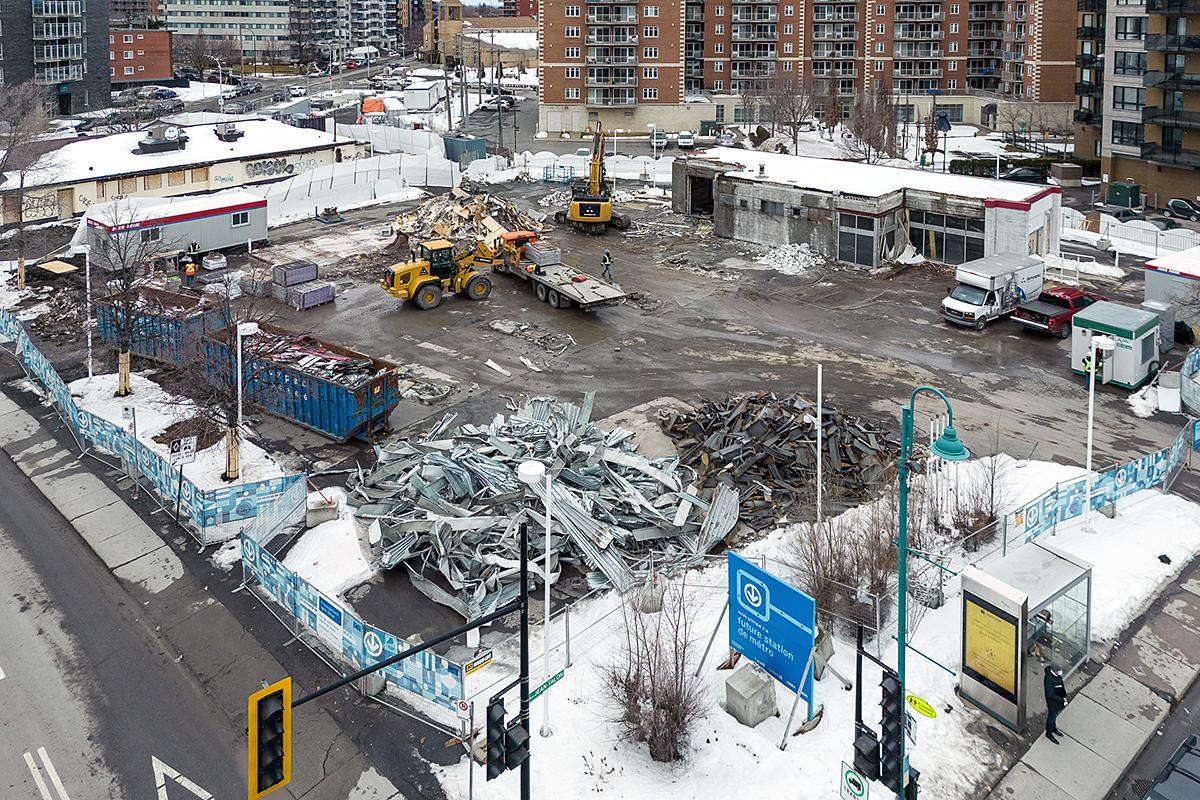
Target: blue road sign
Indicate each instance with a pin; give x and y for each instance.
(772, 624)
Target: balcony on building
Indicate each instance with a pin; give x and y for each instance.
(1172, 80)
(984, 31)
(611, 97)
(827, 50)
(693, 31)
(1089, 89)
(906, 69)
(608, 36)
(909, 50)
(1174, 156)
(1091, 5)
(602, 77)
(750, 52)
(1087, 116)
(831, 14)
(980, 70)
(975, 50)
(611, 55)
(921, 32)
(693, 13)
(910, 14)
(693, 49)
(749, 33)
(1173, 7)
(52, 53)
(51, 75)
(57, 8)
(752, 14)
(1170, 118)
(837, 32)
(1087, 60)
(983, 13)
(617, 16)
(1089, 32)
(693, 69)
(1173, 43)
(57, 30)
(752, 70)
(826, 70)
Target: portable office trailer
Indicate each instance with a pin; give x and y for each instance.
(1174, 280)
(167, 328)
(189, 224)
(1135, 331)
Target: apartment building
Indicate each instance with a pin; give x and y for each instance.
(133, 13)
(260, 27)
(1139, 94)
(373, 24)
(62, 45)
(138, 55)
(627, 65)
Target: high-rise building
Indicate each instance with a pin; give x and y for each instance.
(680, 63)
(306, 30)
(373, 23)
(60, 44)
(1139, 94)
(133, 13)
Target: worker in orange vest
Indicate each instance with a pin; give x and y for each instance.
(189, 273)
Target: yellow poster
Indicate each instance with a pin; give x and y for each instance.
(990, 647)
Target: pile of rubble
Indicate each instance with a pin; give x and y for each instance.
(766, 445)
(459, 215)
(449, 505)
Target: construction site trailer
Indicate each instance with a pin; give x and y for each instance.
(335, 391)
(191, 224)
(167, 327)
(563, 286)
(1135, 332)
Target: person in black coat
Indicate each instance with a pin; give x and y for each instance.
(1056, 698)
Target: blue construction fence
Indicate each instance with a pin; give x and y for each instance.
(1065, 501)
(355, 643)
(214, 515)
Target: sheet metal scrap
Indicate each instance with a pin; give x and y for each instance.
(765, 444)
(449, 504)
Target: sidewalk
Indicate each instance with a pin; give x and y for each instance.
(218, 651)
(1108, 722)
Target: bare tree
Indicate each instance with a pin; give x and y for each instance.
(193, 51)
(224, 51)
(831, 115)
(275, 52)
(931, 135)
(24, 119)
(651, 680)
(1011, 115)
(792, 101)
(873, 126)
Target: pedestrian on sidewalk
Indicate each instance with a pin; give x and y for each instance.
(1056, 698)
(606, 262)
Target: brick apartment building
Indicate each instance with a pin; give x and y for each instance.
(681, 63)
(138, 56)
(1139, 94)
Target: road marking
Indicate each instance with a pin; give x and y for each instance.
(1, 673)
(36, 772)
(163, 771)
(54, 779)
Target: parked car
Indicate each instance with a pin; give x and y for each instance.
(186, 73)
(1163, 223)
(350, 65)
(726, 139)
(147, 92)
(279, 96)
(1120, 213)
(1053, 309)
(1179, 778)
(1185, 209)
(297, 91)
(236, 108)
(659, 139)
(497, 104)
(686, 140)
(1024, 175)
(320, 104)
(585, 152)
(164, 94)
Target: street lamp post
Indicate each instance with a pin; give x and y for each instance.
(220, 85)
(1098, 344)
(243, 329)
(947, 447)
(87, 279)
(531, 473)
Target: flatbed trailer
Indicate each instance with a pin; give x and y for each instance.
(563, 286)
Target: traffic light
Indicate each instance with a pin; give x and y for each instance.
(516, 744)
(866, 753)
(910, 791)
(496, 739)
(269, 712)
(890, 731)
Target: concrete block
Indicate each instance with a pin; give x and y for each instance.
(317, 511)
(1185, 607)
(1022, 783)
(154, 571)
(1073, 768)
(750, 695)
(1126, 697)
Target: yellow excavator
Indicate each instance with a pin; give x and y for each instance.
(591, 209)
(437, 272)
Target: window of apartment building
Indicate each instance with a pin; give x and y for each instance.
(572, 93)
(571, 11)
(650, 11)
(718, 66)
(954, 27)
(880, 28)
(649, 93)
(652, 72)
(718, 11)
(127, 55)
(1129, 63)
(199, 175)
(570, 52)
(112, 72)
(141, 52)
(571, 31)
(952, 66)
(140, 36)
(141, 68)
(1130, 98)
(650, 31)
(846, 86)
(1131, 28)
(128, 71)
(718, 29)
(787, 66)
(1126, 132)
(649, 52)
(240, 219)
(127, 38)
(954, 8)
(787, 47)
(953, 47)
(717, 87)
(719, 47)
(110, 39)
(572, 72)
(787, 29)
(879, 66)
(881, 11)
(789, 11)
(112, 56)
(879, 47)
(952, 83)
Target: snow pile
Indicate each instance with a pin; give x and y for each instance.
(330, 556)
(512, 174)
(228, 554)
(953, 752)
(157, 410)
(1083, 266)
(198, 90)
(1144, 403)
(790, 259)
(506, 40)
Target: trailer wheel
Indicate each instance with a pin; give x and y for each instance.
(556, 300)
(479, 287)
(541, 291)
(428, 296)
(980, 324)
(1065, 331)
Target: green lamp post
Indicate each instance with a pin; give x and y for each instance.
(949, 448)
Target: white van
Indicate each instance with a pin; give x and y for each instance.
(686, 140)
(297, 91)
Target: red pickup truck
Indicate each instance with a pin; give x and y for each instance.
(1053, 309)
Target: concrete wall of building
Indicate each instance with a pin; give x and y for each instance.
(1011, 228)
(147, 52)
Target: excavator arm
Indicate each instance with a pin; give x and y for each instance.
(596, 172)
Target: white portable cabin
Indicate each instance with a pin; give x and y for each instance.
(1174, 280)
(423, 95)
(1135, 331)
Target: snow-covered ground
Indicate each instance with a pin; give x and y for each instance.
(329, 556)
(157, 410)
(953, 757)
(507, 40)
(201, 90)
(407, 193)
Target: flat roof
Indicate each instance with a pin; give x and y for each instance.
(1040, 571)
(1116, 318)
(109, 157)
(999, 264)
(132, 211)
(1181, 262)
(867, 180)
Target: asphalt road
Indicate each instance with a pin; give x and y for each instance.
(90, 694)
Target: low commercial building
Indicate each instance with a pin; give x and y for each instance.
(138, 56)
(865, 214)
(171, 160)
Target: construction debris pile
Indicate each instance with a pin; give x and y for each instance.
(461, 216)
(307, 355)
(449, 505)
(766, 445)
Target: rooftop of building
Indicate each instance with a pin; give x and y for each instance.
(1182, 262)
(865, 180)
(501, 23)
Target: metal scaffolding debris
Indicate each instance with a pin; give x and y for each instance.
(448, 505)
(766, 445)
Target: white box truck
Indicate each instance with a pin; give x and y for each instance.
(991, 287)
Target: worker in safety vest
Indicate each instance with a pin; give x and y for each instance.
(606, 263)
(189, 273)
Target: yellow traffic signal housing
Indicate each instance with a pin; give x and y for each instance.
(269, 715)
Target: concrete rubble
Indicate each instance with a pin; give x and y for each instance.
(461, 216)
(448, 505)
(766, 445)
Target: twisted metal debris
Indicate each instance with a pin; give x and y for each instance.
(448, 506)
